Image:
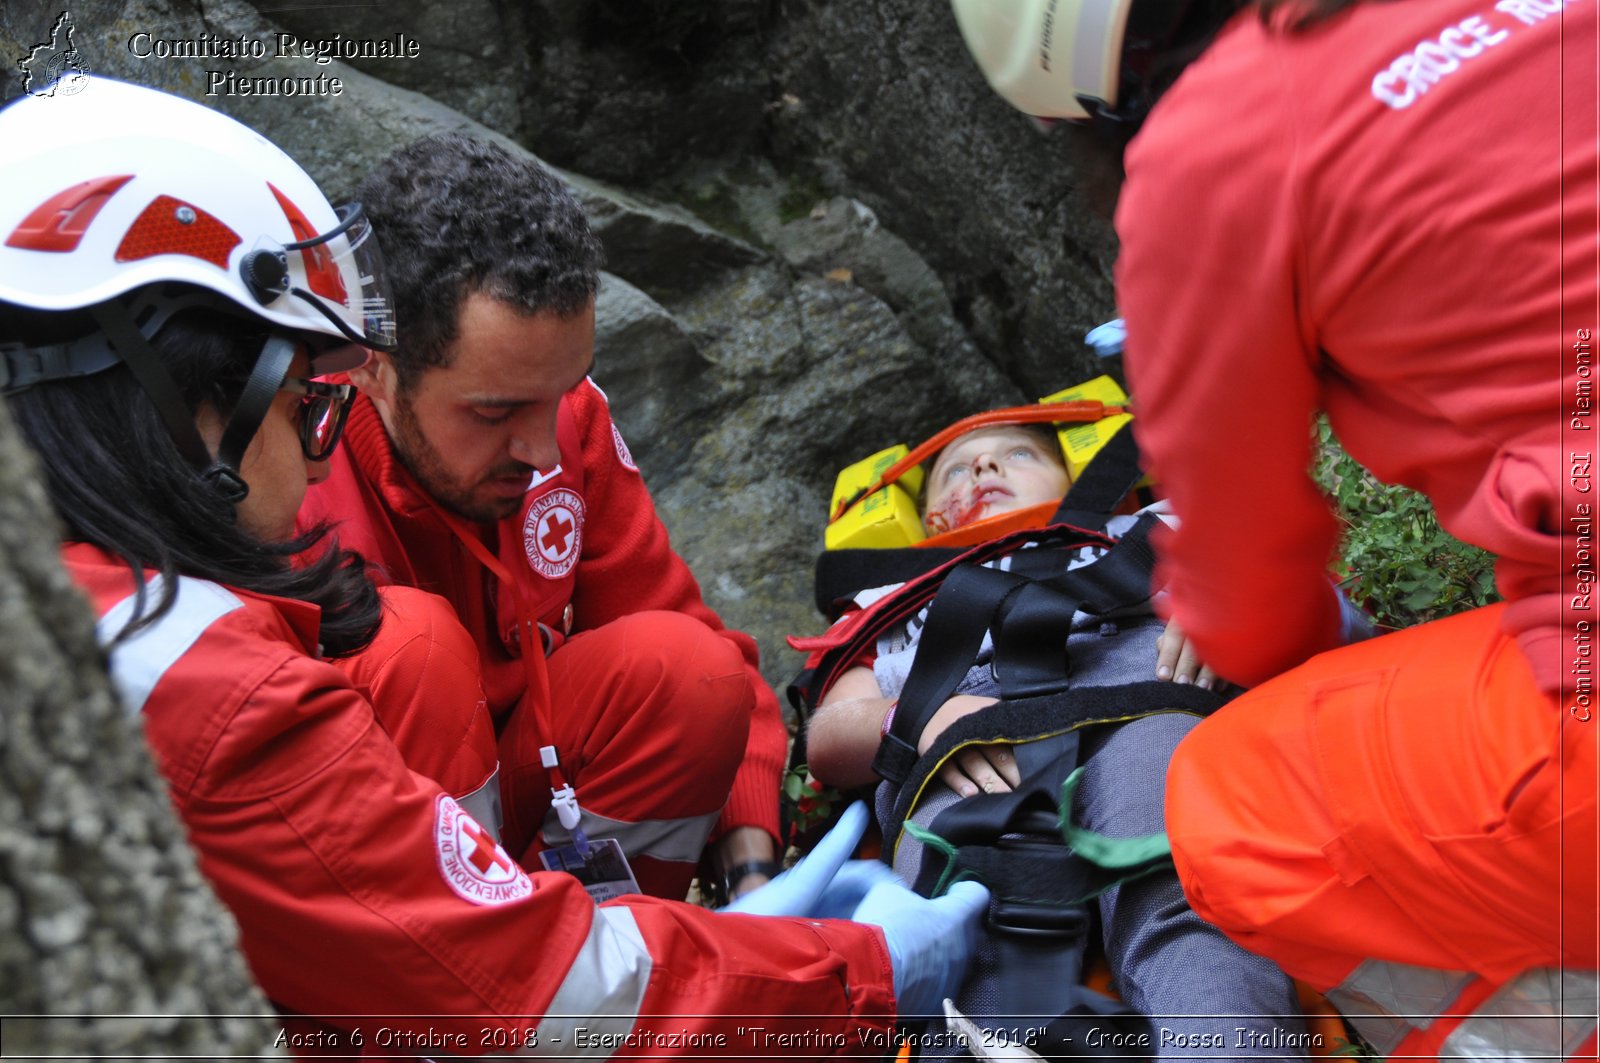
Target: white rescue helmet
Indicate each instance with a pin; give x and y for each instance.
(131, 205)
(1083, 59)
(1047, 57)
(118, 187)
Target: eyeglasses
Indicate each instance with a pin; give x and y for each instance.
(323, 409)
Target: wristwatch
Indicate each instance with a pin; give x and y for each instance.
(736, 874)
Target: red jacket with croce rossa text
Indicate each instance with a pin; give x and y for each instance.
(1390, 218)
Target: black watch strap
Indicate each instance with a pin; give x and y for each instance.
(736, 874)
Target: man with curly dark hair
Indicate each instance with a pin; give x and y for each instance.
(483, 465)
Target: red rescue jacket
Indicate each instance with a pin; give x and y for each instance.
(362, 889)
(587, 538)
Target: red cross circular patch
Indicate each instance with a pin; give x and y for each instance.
(552, 532)
(472, 862)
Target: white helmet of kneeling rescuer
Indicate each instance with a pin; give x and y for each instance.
(1076, 59)
(128, 205)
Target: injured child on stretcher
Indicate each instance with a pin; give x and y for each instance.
(992, 752)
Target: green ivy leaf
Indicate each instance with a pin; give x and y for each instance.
(1394, 558)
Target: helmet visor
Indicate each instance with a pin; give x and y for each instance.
(348, 251)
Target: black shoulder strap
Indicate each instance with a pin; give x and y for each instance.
(958, 618)
(1030, 629)
(911, 597)
(1104, 482)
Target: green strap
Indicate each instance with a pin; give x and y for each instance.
(1139, 856)
(933, 841)
(1110, 853)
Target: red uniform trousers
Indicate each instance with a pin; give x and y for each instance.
(422, 677)
(650, 715)
(1412, 799)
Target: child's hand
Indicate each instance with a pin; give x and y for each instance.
(990, 769)
(1177, 661)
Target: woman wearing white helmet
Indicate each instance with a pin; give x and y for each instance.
(169, 282)
(170, 285)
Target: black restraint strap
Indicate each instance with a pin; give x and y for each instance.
(1103, 483)
(1031, 619)
(910, 598)
(1031, 630)
(957, 620)
(1030, 640)
(1011, 843)
(1030, 808)
(1038, 920)
(843, 573)
(1016, 850)
(1027, 719)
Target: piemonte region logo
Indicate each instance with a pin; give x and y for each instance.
(54, 67)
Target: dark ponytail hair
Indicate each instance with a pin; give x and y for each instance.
(1302, 14)
(118, 481)
(1152, 61)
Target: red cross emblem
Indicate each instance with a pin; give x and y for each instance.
(471, 861)
(557, 536)
(487, 853)
(552, 532)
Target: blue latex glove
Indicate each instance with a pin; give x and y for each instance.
(930, 942)
(1108, 339)
(826, 884)
(1354, 623)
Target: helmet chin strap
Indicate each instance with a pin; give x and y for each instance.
(117, 322)
(272, 365)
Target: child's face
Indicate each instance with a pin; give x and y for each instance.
(990, 471)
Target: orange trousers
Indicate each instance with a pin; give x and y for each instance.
(1413, 799)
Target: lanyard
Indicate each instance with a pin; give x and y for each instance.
(562, 795)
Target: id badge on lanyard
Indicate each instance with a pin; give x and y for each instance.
(601, 865)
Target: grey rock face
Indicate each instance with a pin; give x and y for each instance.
(887, 104)
(878, 102)
(663, 248)
(471, 54)
(624, 89)
(651, 368)
(108, 934)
